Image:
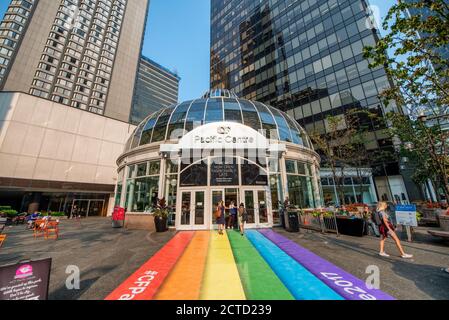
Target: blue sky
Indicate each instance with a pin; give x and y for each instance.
(178, 37)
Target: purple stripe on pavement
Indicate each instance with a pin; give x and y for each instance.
(345, 284)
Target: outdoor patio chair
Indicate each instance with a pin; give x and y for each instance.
(3, 224)
(39, 228)
(2, 239)
(52, 230)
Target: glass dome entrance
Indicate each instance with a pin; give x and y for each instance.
(172, 123)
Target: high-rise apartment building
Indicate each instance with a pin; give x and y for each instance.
(67, 74)
(305, 57)
(81, 53)
(156, 87)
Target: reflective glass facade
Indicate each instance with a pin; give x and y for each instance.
(303, 57)
(156, 88)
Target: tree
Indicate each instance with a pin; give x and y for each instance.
(344, 145)
(415, 55)
(427, 145)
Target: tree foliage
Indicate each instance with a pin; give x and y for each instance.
(415, 53)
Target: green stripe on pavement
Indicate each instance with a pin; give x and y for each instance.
(259, 281)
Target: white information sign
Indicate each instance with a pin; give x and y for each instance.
(406, 215)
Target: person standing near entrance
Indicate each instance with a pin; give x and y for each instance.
(220, 215)
(232, 215)
(386, 228)
(242, 218)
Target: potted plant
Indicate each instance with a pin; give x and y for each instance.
(9, 213)
(161, 215)
(444, 221)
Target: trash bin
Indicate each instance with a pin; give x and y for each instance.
(116, 224)
(293, 221)
(118, 217)
(282, 216)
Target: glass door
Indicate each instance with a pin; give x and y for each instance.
(250, 205)
(192, 211)
(186, 207)
(199, 212)
(257, 206)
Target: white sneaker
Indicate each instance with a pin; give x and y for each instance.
(407, 256)
(383, 254)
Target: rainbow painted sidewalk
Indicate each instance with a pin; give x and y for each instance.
(263, 265)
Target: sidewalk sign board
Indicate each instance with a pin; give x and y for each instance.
(28, 280)
(406, 217)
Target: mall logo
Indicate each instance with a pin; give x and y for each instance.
(24, 271)
(223, 130)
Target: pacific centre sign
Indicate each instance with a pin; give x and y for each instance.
(224, 135)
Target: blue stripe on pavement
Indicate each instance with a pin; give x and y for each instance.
(300, 282)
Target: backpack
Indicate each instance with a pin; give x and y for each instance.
(376, 217)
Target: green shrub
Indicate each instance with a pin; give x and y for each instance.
(57, 214)
(10, 213)
(4, 208)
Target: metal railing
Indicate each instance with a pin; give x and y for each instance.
(322, 221)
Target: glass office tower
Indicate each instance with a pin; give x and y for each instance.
(156, 87)
(305, 58)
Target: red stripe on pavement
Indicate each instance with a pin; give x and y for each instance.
(145, 282)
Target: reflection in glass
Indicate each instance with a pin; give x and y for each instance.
(199, 208)
(232, 111)
(185, 208)
(214, 111)
(195, 117)
(263, 208)
(250, 206)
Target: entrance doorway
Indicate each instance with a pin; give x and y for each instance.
(87, 208)
(196, 207)
(192, 209)
(256, 203)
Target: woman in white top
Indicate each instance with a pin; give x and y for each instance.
(387, 229)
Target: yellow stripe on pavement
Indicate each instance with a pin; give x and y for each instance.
(221, 277)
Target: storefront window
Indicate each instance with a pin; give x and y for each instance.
(171, 186)
(194, 175)
(143, 187)
(253, 175)
(300, 184)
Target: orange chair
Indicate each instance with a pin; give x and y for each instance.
(2, 239)
(39, 227)
(52, 230)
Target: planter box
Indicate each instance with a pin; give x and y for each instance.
(444, 223)
(139, 222)
(351, 227)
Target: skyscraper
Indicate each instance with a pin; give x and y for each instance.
(156, 87)
(67, 75)
(305, 57)
(81, 53)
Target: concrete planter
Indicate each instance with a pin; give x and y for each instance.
(136, 221)
(444, 222)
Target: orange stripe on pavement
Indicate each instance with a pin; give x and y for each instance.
(145, 282)
(184, 282)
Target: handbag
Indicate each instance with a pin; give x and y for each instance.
(218, 213)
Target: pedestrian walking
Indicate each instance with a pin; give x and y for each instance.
(220, 216)
(232, 215)
(242, 218)
(386, 229)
